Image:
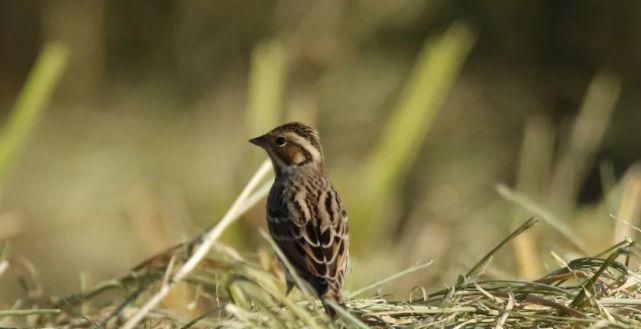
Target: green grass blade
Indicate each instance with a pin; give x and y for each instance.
(43, 311)
(266, 81)
(30, 103)
(346, 315)
(390, 278)
(539, 211)
(434, 74)
(478, 267)
(586, 136)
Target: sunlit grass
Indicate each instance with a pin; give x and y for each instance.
(231, 292)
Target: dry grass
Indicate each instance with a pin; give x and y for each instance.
(229, 291)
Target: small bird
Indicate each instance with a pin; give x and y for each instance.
(305, 214)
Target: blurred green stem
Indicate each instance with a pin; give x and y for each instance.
(265, 99)
(535, 209)
(535, 161)
(431, 79)
(266, 81)
(31, 102)
(629, 212)
(587, 133)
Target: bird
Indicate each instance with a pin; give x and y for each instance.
(305, 215)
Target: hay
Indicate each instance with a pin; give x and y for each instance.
(227, 291)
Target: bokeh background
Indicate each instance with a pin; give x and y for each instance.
(445, 124)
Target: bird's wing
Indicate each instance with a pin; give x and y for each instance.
(316, 247)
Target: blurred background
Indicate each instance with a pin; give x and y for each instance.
(445, 125)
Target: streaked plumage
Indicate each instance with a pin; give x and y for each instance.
(304, 212)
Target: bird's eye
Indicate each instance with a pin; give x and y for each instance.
(280, 141)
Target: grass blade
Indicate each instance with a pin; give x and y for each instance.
(587, 132)
(535, 209)
(390, 278)
(266, 80)
(433, 75)
(476, 269)
(208, 240)
(347, 315)
(31, 102)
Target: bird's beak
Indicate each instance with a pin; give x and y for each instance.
(259, 141)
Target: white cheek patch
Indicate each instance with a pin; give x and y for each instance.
(305, 144)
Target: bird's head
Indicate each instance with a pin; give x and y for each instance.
(292, 146)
